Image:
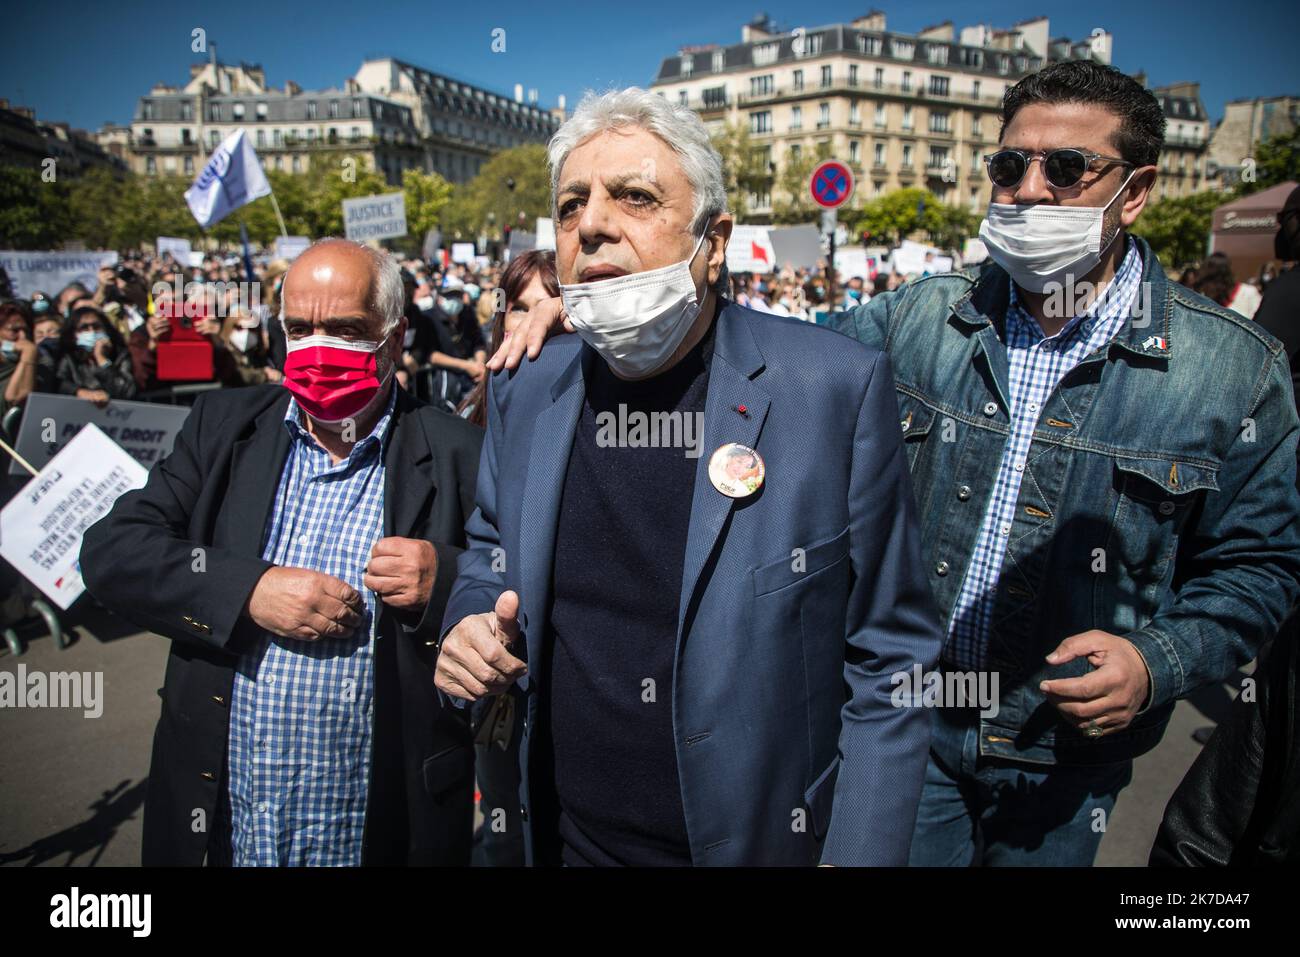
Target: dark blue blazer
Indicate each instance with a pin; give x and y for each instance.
(797, 603)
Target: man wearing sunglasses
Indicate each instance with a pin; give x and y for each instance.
(1104, 465)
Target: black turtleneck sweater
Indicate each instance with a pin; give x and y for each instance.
(619, 555)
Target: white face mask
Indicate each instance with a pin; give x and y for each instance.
(242, 339)
(1040, 244)
(637, 321)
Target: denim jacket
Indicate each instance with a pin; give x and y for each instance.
(1161, 507)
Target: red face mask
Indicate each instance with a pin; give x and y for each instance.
(332, 379)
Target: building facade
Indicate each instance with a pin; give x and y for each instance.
(174, 130)
(1245, 124)
(460, 125)
(903, 110)
(1187, 139)
(29, 142)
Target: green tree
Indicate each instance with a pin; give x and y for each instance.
(1178, 228)
(794, 202)
(899, 215)
(427, 194)
(744, 168)
(513, 182)
(33, 214)
(1277, 160)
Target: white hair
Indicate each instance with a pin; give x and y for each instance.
(387, 296)
(678, 126)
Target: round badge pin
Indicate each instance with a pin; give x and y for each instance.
(736, 470)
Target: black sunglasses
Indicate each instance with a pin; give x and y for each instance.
(1063, 168)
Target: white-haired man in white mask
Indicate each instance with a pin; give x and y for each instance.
(704, 652)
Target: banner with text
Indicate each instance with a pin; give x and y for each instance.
(42, 526)
(30, 272)
(375, 217)
(146, 430)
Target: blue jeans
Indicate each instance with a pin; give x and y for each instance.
(995, 812)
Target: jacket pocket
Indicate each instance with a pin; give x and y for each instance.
(916, 419)
(801, 564)
(448, 770)
(1155, 496)
(820, 797)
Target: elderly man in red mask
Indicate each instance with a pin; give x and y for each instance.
(297, 546)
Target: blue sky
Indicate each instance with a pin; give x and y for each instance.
(87, 63)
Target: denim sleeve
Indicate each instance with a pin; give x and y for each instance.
(869, 322)
(1237, 572)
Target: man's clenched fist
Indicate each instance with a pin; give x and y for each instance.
(305, 604)
(474, 662)
(401, 572)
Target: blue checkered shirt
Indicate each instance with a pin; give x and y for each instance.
(301, 712)
(1037, 363)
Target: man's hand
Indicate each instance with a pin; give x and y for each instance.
(401, 572)
(544, 320)
(1110, 695)
(473, 661)
(304, 604)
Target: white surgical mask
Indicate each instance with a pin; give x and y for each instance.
(1040, 244)
(241, 339)
(637, 321)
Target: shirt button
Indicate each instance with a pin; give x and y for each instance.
(261, 807)
(1006, 528)
(1020, 466)
(963, 493)
(990, 408)
(941, 569)
(1166, 508)
(1048, 345)
(1033, 407)
(270, 679)
(302, 539)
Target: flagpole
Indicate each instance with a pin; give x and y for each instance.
(276, 206)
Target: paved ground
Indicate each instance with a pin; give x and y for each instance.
(72, 788)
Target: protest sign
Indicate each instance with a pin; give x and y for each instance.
(179, 249)
(462, 252)
(290, 247)
(750, 250)
(30, 272)
(796, 246)
(145, 430)
(375, 217)
(42, 526)
(545, 232)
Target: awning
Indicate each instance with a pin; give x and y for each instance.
(1243, 229)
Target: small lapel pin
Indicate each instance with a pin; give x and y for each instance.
(1155, 341)
(736, 470)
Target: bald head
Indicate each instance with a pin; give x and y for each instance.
(342, 288)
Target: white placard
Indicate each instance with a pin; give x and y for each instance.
(31, 272)
(796, 246)
(750, 250)
(179, 248)
(853, 262)
(290, 247)
(375, 217)
(545, 232)
(42, 526)
(146, 430)
(462, 252)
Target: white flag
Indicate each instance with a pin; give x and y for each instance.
(232, 177)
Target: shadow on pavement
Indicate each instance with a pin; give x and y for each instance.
(117, 806)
